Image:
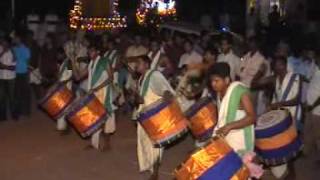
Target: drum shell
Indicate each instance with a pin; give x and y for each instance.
(203, 119)
(58, 98)
(163, 122)
(279, 143)
(216, 160)
(87, 115)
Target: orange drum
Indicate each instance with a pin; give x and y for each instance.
(216, 160)
(203, 118)
(277, 139)
(57, 99)
(164, 122)
(87, 115)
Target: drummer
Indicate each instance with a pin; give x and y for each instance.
(152, 87)
(236, 115)
(100, 77)
(286, 95)
(64, 76)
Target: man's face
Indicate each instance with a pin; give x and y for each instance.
(93, 53)
(187, 47)
(218, 84)
(225, 46)
(279, 67)
(252, 45)
(154, 46)
(209, 56)
(141, 66)
(137, 40)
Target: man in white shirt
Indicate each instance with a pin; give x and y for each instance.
(253, 67)
(190, 56)
(229, 57)
(312, 124)
(7, 77)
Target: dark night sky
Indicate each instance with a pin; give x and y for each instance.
(190, 9)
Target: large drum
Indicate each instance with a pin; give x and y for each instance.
(87, 115)
(277, 139)
(203, 118)
(164, 122)
(216, 160)
(57, 99)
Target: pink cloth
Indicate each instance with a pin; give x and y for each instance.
(256, 171)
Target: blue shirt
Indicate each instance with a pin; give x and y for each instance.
(22, 55)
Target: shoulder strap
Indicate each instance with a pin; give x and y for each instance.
(100, 68)
(145, 84)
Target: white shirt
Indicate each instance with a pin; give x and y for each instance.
(233, 61)
(250, 66)
(7, 59)
(313, 92)
(190, 58)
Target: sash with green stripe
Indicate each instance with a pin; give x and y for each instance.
(100, 68)
(234, 103)
(145, 84)
(65, 65)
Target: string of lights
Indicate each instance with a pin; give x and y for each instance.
(77, 21)
(161, 8)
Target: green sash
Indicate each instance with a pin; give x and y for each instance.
(234, 102)
(108, 101)
(100, 68)
(146, 83)
(64, 65)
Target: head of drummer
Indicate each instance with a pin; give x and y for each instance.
(143, 64)
(219, 76)
(94, 51)
(279, 66)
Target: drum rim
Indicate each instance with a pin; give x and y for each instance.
(207, 135)
(94, 127)
(274, 130)
(65, 109)
(296, 145)
(55, 88)
(170, 139)
(78, 105)
(192, 111)
(152, 111)
(269, 126)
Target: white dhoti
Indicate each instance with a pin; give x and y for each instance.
(148, 156)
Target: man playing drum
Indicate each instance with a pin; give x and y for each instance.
(100, 77)
(65, 76)
(236, 113)
(152, 87)
(286, 95)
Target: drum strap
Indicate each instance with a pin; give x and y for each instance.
(288, 88)
(100, 68)
(64, 66)
(145, 84)
(233, 106)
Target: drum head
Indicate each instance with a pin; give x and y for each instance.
(197, 106)
(271, 119)
(51, 91)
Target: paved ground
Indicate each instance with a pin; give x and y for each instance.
(31, 149)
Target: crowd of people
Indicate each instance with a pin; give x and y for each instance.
(146, 67)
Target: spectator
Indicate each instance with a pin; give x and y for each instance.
(7, 76)
(229, 57)
(22, 89)
(190, 56)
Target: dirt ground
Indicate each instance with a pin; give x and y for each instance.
(31, 149)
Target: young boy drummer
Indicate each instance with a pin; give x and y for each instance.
(100, 78)
(152, 87)
(236, 113)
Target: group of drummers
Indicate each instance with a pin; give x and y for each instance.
(231, 140)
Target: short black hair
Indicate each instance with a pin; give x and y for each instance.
(145, 59)
(226, 37)
(212, 50)
(220, 69)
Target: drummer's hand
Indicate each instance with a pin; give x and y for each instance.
(274, 106)
(224, 131)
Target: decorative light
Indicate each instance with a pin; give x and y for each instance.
(95, 23)
(163, 10)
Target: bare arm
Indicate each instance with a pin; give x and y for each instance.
(248, 120)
